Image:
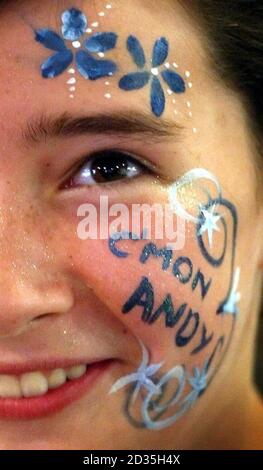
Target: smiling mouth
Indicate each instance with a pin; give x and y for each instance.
(39, 393)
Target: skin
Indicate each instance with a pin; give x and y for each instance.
(62, 297)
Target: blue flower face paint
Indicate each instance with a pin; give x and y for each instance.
(74, 24)
(138, 80)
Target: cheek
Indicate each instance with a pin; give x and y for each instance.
(167, 298)
(181, 303)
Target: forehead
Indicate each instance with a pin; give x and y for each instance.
(25, 91)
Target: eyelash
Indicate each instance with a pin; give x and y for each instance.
(109, 160)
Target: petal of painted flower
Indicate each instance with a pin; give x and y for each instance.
(74, 24)
(157, 97)
(160, 52)
(145, 355)
(122, 382)
(101, 42)
(50, 40)
(174, 80)
(152, 369)
(56, 64)
(135, 49)
(94, 69)
(134, 81)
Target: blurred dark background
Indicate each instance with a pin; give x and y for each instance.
(259, 357)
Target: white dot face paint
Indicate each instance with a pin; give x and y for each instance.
(76, 44)
(71, 81)
(155, 71)
(90, 52)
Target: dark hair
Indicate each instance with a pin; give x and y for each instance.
(235, 42)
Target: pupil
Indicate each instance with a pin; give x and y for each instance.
(109, 167)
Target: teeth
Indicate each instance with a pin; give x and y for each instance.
(33, 384)
(10, 387)
(56, 378)
(76, 372)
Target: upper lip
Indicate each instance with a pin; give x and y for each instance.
(46, 364)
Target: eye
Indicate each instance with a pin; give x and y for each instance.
(106, 167)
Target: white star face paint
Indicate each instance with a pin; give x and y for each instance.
(209, 223)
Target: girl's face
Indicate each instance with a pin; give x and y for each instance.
(168, 315)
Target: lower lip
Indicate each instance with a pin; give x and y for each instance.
(54, 400)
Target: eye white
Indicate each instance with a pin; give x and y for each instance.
(87, 174)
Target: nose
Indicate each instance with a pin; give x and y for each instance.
(32, 281)
(23, 303)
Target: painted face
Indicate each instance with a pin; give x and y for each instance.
(123, 233)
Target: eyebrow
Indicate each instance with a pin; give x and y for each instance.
(46, 126)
